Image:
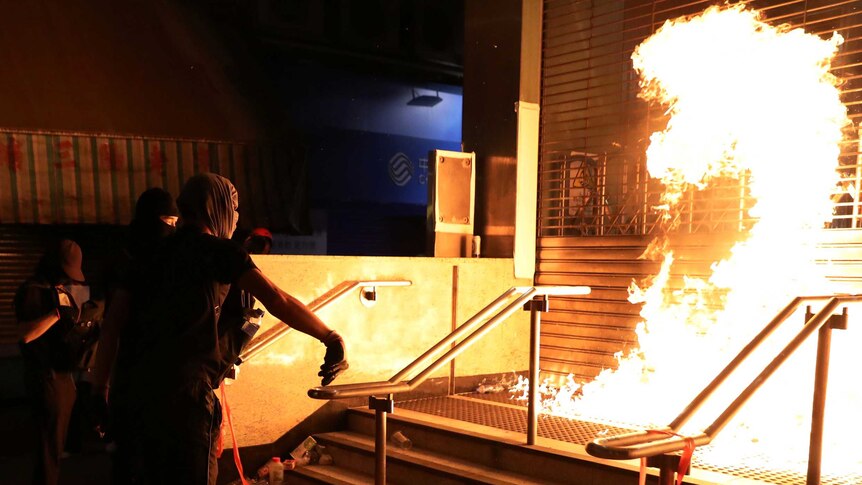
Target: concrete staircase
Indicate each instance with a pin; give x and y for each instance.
(448, 451)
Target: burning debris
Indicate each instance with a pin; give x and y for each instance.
(491, 386)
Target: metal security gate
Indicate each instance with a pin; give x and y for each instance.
(595, 197)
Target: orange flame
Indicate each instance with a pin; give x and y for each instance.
(744, 99)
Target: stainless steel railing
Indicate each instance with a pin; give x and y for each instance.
(269, 337)
(649, 443)
(533, 298)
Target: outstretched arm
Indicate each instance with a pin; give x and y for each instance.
(283, 306)
(295, 314)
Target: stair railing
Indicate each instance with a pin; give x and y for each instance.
(269, 337)
(532, 298)
(652, 443)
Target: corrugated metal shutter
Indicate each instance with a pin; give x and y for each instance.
(595, 195)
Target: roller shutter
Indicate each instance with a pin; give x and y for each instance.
(594, 217)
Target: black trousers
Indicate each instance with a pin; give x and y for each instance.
(175, 431)
(53, 396)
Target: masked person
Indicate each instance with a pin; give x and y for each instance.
(154, 220)
(169, 313)
(47, 314)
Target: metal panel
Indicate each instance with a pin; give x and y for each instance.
(501, 411)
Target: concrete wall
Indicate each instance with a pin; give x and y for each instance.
(148, 68)
(269, 397)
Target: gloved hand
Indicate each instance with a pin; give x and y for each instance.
(335, 360)
(68, 317)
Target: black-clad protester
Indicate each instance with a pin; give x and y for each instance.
(51, 347)
(171, 307)
(155, 219)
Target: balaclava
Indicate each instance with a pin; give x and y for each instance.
(147, 227)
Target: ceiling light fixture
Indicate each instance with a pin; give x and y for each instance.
(425, 100)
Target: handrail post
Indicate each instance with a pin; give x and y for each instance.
(668, 466)
(821, 378)
(381, 406)
(536, 305)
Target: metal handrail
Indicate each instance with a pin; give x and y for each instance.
(641, 444)
(276, 332)
(397, 384)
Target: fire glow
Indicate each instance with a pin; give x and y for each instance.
(753, 101)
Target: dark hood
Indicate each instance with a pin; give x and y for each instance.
(209, 200)
(147, 228)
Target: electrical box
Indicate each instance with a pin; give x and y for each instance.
(451, 203)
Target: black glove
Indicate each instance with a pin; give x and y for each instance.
(68, 320)
(335, 360)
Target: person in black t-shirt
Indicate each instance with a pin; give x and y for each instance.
(166, 320)
(46, 312)
(155, 219)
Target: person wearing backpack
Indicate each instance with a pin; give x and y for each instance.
(169, 313)
(52, 342)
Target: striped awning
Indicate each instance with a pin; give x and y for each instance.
(52, 178)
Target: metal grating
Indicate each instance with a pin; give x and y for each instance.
(509, 418)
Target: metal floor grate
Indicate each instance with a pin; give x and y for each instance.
(514, 418)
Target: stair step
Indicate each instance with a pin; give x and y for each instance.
(549, 460)
(415, 465)
(331, 474)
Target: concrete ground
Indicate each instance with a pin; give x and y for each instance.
(89, 466)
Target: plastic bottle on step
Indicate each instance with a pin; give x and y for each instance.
(276, 471)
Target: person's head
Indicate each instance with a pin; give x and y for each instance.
(61, 263)
(259, 241)
(157, 203)
(156, 215)
(209, 202)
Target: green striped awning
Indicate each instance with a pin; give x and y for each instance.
(50, 178)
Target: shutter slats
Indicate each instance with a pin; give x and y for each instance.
(591, 120)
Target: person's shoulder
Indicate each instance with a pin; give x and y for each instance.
(230, 247)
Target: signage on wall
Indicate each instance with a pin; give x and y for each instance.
(400, 169)
(355, 166)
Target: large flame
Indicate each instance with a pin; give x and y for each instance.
(744, 99)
